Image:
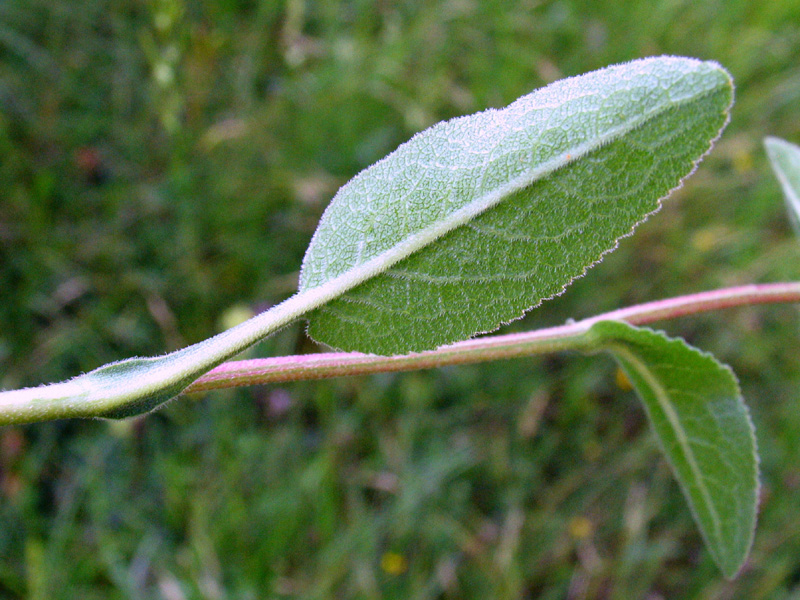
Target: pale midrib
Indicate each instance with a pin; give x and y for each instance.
(360, 273)
(662, 397)
(319, 295)
(191, 362)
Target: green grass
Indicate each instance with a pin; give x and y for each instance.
(524, 479)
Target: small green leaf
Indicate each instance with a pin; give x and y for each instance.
(703, 426)
(785, 160)
(476, 220)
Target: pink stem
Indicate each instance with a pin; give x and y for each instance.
(552, 339)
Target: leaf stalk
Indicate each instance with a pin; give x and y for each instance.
(570, 336)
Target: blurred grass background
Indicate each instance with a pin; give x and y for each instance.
(163, 165)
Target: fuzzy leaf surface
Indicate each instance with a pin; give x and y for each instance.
(702, 424)
(478, 219)
(785, 160)
(464, 227)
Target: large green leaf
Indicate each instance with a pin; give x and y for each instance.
(785, 160)
(518, 201)
(703, 426)
(462, 228)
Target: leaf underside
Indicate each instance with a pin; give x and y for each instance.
(461, 229)
(601, 150)
(785, 160)
(702, 424)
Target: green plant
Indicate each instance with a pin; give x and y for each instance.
(472, 223)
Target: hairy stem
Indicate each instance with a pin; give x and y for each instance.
(542, 341)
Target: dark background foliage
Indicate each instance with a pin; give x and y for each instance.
(163, 165)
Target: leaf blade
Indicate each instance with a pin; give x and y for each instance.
(420, 294)
(785, 160)
(697, 412)
(138, 385)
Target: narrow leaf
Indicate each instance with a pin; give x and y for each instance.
(703, 426)
(785, 160)
(476, 220)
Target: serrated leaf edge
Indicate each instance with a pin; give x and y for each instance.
(381, 263)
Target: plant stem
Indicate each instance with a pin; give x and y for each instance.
(515, 345)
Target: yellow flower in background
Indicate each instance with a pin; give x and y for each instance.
(394, 563)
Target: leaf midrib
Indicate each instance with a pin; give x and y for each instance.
(196, 359)
(662, 397)
(385, 260)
